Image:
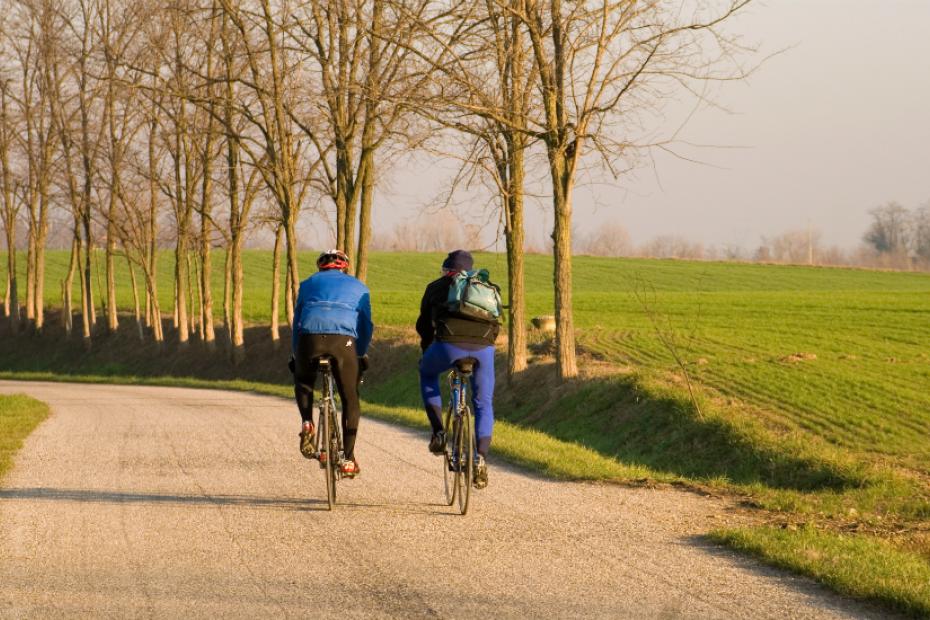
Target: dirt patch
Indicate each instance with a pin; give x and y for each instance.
(796, 358)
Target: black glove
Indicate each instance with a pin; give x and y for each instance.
(292, 364)
(363, 363)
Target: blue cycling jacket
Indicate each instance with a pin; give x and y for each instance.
(331, 302)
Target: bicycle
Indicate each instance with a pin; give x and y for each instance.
(459, 456)
(330, 435)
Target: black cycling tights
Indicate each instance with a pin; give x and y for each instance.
(345, 370)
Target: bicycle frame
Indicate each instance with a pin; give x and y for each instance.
(458, 391)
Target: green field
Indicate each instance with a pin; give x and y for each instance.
(814, 387)
(736, 325)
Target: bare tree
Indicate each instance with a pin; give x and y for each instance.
(359, 50)
(10, 208)
(478, 81)
(260, 36)
(889, 233)
(33, 50)
(73, 91)
(118, 29)
(608, 239)
(920, 231)
(596, 62)
(793, 246)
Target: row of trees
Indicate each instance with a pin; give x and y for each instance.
(186, 123)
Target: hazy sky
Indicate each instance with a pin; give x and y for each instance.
(832, 127)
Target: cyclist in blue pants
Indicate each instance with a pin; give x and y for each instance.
(446, 338)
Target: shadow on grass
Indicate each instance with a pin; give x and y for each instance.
(615, 415)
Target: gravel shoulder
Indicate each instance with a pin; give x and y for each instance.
(166, 502)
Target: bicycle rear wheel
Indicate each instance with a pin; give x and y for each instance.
(326, 453)
(466, 468)
(448, 476)
(335, 448)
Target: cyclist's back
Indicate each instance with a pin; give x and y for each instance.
(330, 302)
(446, 337)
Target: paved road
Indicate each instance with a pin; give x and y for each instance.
(163, 502)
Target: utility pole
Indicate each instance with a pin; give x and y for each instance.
(810, 244)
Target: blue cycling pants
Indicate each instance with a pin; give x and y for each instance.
(440, 357)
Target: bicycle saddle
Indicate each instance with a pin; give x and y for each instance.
(466, 365)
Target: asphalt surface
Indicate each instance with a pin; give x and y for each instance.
(163, 502)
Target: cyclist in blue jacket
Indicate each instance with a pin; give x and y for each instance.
(332, 317)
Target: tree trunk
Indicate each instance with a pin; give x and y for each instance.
(180, 288)
(152, 229)
(293, 269)
(97, 275)
(110, 262)
(562, 274)
(516, 343)
(30, 273)
(89, 307)
(364, 224)
(6, 297)
(68, 283)
(276, 283)
(110, 267)
(10, 301)
(157, 331)
(350, 218)
(175, 314)
(237, 213)
(289, 297)
(238, 339)
(181, 274)
(13, 294)
(206, 278)
(42, 233)
(206, 208)
(40, 271)
(135, 299)
(65, 309)
(85, 296)
(227, 295)
(193, 295)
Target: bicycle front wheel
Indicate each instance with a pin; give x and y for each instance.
(466, 469)
(448, 475)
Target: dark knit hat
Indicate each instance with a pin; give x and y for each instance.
(459, 260)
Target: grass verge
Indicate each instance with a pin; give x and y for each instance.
(857, 566)
(19, 415)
